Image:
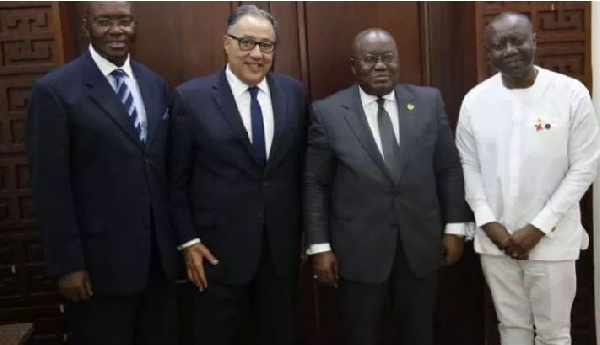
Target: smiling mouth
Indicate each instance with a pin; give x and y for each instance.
(513, 61)
(116, 44)
(255, 67)
(382, 78)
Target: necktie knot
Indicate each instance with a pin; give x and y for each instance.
(253, 91)
(118, 74)
(380, 102)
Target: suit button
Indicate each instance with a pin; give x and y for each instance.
(261, 215)
(145, 192)
(265, 184)
(145, 222)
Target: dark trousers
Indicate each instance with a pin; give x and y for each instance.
(144, 318)
(411, 298)
(270, 299)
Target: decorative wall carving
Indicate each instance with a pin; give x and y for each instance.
(29, 32)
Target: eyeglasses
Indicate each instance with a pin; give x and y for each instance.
(372, 60)
(105, 22)
(247, 44)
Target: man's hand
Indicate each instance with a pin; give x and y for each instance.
(325, 268)
(497, 234)
(76, 286)
(453, 249)
(194, 261)
(522, 241)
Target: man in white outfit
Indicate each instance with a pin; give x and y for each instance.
(528, 141)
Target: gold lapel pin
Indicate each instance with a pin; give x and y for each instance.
(410, 106)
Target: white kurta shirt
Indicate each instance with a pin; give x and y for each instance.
(528, 156)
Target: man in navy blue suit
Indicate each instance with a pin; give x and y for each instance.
(238, 140)
(96, 136)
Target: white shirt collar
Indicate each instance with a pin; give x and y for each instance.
(238, 87)
(366, 99)
(107, 67)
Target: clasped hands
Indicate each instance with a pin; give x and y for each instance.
(519, 244)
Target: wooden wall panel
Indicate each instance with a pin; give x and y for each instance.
(30, 46)
(331, 26)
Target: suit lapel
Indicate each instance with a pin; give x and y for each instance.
(357, 120)
(224, 98)
(407, 118)
(150, 99)
(100, 91)
(278, 102)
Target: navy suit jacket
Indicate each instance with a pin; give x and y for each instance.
(97, 187)
(221, 192)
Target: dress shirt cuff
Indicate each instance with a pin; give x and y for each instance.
(465, 230)
(546, 221)
(318, 248)
(188, 244)
(483, 215)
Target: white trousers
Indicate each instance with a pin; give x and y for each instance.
(528, 293)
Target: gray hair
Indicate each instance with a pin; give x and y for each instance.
(251, 10)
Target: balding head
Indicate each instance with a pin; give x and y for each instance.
(507, 19)
(370, 35)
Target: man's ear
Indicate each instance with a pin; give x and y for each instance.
(85, 27)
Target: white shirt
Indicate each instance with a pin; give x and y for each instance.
(528, 157)
(107, 67)
(371, 108)
(242, 99)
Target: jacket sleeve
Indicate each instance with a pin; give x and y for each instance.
(48, 146)
(319, 171)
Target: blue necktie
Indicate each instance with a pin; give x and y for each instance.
(258, 130)
(126, 98)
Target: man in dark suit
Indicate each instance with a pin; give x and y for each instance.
(382, 178)
(238, 140)
(96, 137)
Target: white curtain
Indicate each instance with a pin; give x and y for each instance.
(596, 99)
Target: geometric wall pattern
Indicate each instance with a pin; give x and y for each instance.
(29, 48)
(563, 32)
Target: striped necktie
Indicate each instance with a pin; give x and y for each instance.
(126, 98)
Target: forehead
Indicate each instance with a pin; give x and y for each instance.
(109, 8)
(509, 27)
(375, 43)
(254, 26)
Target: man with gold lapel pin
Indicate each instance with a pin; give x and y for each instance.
(382, 184)
(528, 141)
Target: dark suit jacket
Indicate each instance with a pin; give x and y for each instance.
(220, 191)
(97, 187)
(350, 200)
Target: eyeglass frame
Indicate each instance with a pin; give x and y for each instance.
(380, 58)
(255, 43)
(112, 21)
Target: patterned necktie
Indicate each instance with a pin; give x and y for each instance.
(389, 145)
(258, 130)
(126, 98)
